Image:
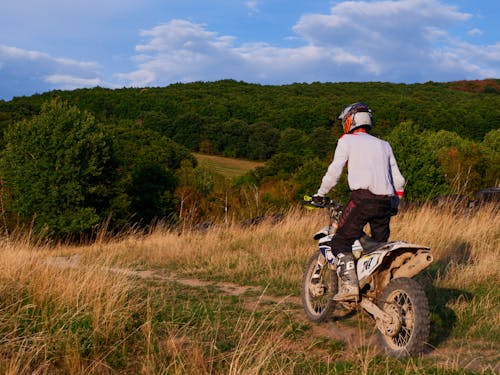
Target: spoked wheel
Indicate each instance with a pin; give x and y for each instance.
(405, 301)
(317, 298)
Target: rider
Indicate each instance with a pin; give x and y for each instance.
(375, 182)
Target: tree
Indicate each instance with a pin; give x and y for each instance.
(147, 163)
(158, 122)
(461, 160)
(194, 188)
(294, 141)
(322, 142)
(417, 162)
(189, 129)
(262, 141)
(491, 151)
(462, 166)
(58, 168)
(151, 191)
(308, 177)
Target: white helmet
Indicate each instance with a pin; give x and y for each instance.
(355, 116)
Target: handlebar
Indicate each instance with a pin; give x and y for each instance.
(326, 202)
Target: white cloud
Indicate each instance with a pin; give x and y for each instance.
(475, 32)
(253, 6)
(386, 40)
(181, 51)
(389, 40)
(25, 71)
(14, 54)
(400, 38)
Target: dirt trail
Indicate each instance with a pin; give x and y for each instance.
(331, 329)
(335, 329)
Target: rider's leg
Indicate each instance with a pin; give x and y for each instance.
(346, 271)
(350, 229)
(363, 207)
(379, 223)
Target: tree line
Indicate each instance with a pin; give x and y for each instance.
(72, 160)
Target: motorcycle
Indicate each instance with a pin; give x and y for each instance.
(396, 302)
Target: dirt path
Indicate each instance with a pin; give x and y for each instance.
(354, 336)
(331, 329)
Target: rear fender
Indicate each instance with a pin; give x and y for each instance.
(396, 260)
(406, 263)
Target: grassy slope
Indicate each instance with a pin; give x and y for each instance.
(228, 167)
(225, 302)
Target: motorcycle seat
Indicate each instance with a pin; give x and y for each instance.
(369, 244)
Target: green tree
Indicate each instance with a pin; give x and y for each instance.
(158, 122)
(262, 141)
(195, 185)
(57, 168)
(322, 143)
(189, 129)
(308, 177)
(417, 162)
(232, 140)
(147, 164)
(294, 141)
(151, 192)
(491, 151)
(461, 160)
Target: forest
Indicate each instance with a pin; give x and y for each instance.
(75, 161)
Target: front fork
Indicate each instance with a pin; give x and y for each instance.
(325, 258)
(326, 255)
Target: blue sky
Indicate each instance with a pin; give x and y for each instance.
(68, 44)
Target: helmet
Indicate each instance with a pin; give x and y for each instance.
(355, 116)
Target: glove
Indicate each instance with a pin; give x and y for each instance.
(318, 199)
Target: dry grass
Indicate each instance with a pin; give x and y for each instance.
(67, 309)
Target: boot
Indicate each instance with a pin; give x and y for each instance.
(348, 286)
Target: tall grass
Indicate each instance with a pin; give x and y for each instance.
(90, 309)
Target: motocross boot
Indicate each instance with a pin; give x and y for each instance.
(348, 286)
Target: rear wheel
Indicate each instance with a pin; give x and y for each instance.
(317, 298)
(405, 301)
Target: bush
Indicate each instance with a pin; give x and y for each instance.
(56, 170)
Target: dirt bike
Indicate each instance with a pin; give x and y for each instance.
(396, 302)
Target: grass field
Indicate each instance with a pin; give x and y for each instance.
(228, 167)
(225, 301)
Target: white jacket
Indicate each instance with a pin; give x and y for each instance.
(370, 165)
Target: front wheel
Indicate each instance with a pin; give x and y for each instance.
(317, 299)
(405, 301)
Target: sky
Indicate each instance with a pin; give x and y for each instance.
(69, 44)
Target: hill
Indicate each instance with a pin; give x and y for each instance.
(445, 137)
(195, 113)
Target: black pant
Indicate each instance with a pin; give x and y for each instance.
(363, 207)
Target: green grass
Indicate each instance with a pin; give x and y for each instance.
(228, 167)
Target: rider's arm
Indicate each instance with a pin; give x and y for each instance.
(397, 177)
